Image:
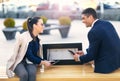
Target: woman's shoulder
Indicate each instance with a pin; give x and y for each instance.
(24, 33)
(26, 36)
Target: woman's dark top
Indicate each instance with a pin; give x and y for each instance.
(32, 52)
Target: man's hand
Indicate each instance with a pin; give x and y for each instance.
(77, 55)
(80, 53)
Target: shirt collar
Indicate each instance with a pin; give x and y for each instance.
(94, 22)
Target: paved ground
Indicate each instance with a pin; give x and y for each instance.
(77, 33)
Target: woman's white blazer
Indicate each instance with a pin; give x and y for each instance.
(20, 49)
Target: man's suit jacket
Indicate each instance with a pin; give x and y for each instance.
(104, 47)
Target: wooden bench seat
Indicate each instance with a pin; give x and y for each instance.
(72, 73)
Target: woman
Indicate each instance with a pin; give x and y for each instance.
(26, 53)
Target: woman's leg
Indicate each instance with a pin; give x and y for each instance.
(21, 72)
(31, 69)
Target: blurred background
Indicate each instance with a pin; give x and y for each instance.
(54, 8)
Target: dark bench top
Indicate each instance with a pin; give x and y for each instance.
(54, 27)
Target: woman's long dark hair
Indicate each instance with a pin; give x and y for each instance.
(30, 22)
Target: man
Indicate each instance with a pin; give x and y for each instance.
(104, 44)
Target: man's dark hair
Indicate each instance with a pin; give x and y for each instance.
(90, 11)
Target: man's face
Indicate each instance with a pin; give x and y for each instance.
(87, 20)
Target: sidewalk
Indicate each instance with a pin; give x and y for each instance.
(77, 33)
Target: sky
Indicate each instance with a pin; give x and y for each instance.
(82, 3)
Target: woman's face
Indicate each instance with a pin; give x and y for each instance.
(39, 26)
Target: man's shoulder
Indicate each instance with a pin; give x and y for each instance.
(102, 22)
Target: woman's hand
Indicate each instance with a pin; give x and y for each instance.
(46, 63)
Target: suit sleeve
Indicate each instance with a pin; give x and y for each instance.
(92, 51)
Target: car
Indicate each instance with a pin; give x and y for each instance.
(8, 7)
(42, 6)
(23, 8)
(105, 6)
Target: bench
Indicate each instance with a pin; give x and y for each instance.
(72, 73)
(53, 27)
(63, 30)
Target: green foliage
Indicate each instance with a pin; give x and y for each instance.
(64, 20)
(25, 25)
(9, 23)
(44, 18)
